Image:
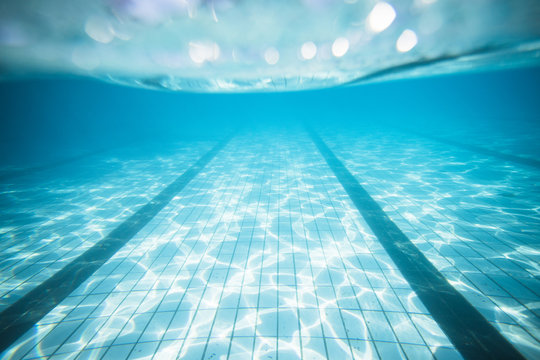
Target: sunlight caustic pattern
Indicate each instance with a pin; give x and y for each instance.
(262, 253)
(49, 218)
(475, 218)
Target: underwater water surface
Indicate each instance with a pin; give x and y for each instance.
(257, 45)
(389, 210)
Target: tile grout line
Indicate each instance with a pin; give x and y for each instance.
(236, 209)
(244, 275)
(472, 335)
(28, 310)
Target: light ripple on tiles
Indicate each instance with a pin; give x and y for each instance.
(71, 212)
(269, 244)
(476, 218)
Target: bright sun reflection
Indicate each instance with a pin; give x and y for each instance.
(340, 47)
(200, 52)
(309, 50)
(381, 17)
(406, 41)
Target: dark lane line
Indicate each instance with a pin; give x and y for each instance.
(480, 150)
(472, 335)
(28, 171)
(27, 311)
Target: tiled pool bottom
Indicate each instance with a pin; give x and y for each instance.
(264, 255)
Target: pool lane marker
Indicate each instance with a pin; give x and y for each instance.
(29, 171)
(472, 335)
(480, 150)
(22, 315)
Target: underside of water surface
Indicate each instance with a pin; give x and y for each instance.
(239, 46)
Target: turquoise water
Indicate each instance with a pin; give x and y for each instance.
(263, 250)
(345, 180)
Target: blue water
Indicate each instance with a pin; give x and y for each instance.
(237, 235)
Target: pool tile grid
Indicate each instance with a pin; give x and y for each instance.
(35, 254)
(324, 294)
(517, 318)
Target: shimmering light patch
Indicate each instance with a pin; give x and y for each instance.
(406, 41)
(340, 47)
(381, 17)
(84, 58)
(99, 29)
(271, 56)
(308, 50)
(100, 206)
(200, 52)
(263, 257)
(460, 204)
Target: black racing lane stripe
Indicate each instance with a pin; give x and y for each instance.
(472, 335)
(480, 150)
(28, 171)
(32, 307)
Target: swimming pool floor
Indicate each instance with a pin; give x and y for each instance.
(262, 252)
